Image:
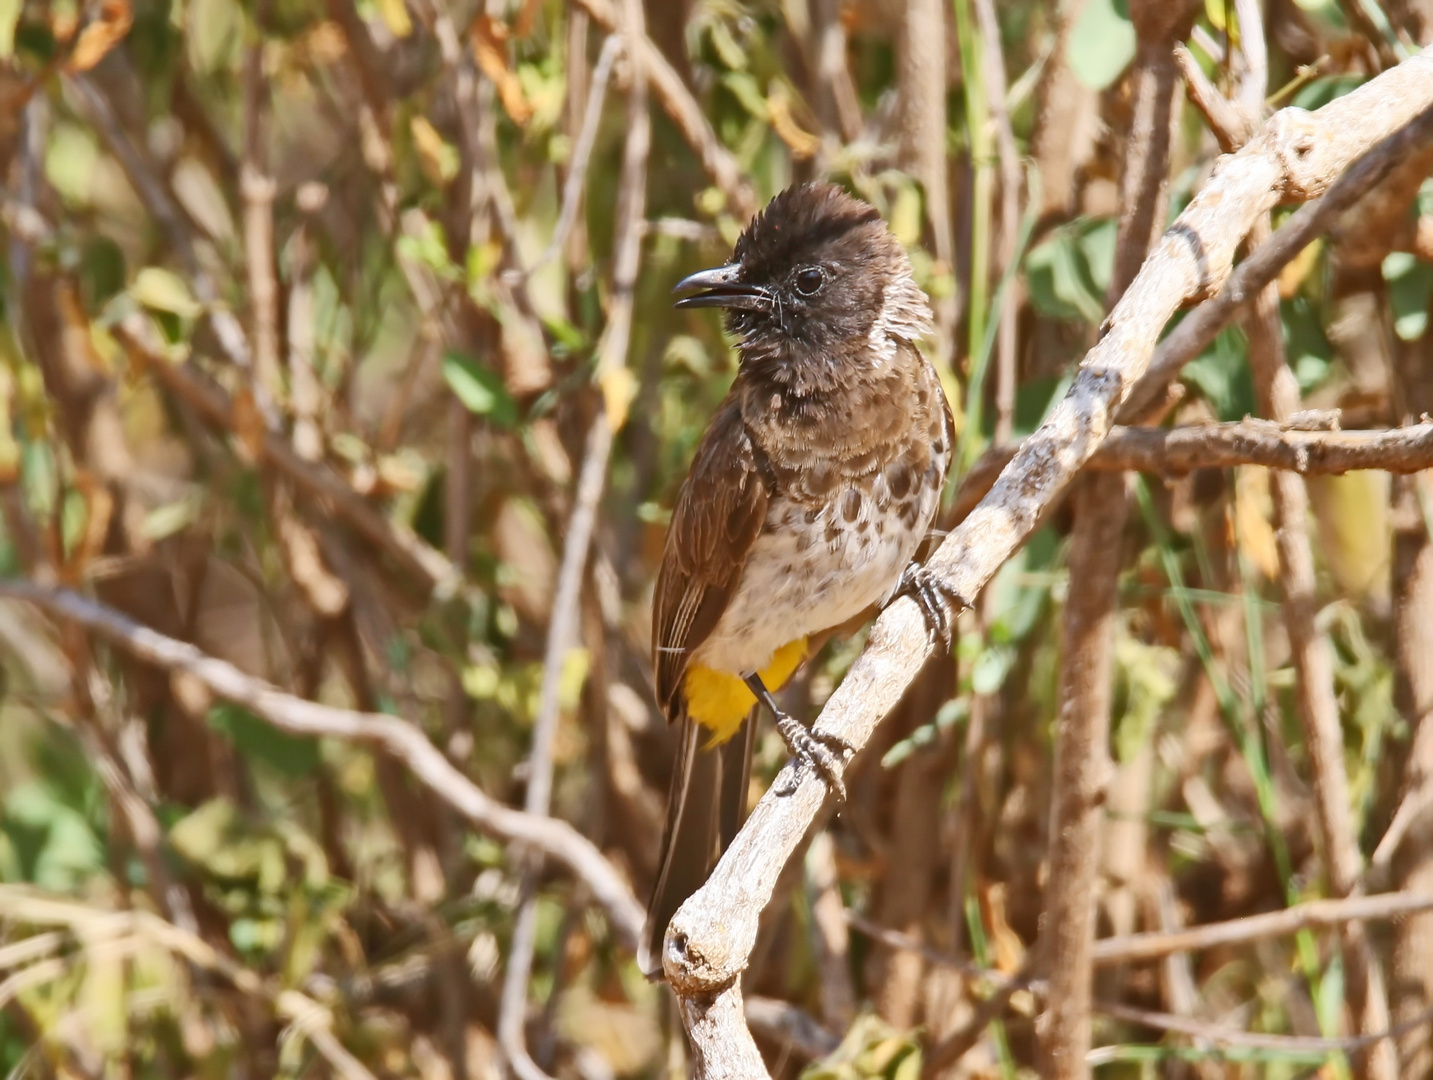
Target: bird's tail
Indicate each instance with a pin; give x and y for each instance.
(706, 805)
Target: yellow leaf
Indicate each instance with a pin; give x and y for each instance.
(906, 215)
(1005, 943)
(618, 390)
(802, 143)
(164, 290)
(9, 448)
(1297, 270)
(248, 424)
(575, 666)
(395, 17)
(1254, 534)
(9, 18)
(438, 160)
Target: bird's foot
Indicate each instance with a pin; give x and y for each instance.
(818, 751)
(939, 603)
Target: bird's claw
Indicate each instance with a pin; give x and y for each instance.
(825, 754)
(936, 599)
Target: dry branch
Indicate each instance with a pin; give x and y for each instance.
(390, 734)
(1313, 913)
(1178, 451)
(1157, 944)
(1297, 156)
(562, 626)
(1082, 760)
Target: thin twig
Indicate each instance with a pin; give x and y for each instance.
(1178, 451)
(417, 558)
(1220, 1035)
(1277, 391)
(106, 931)
(1086, 683)
(1156, 944)
(257, 189)
(784, 1023)
(993, 64)
(1228, 125)
(562, 627)
(575, 185)
(1313, 913)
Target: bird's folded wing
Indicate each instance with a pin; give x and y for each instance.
(719, 514)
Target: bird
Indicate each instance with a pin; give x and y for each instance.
(814, 484)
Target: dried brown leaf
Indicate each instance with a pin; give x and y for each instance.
(490, 50)
(102, 35)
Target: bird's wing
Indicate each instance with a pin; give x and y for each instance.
(718, 516)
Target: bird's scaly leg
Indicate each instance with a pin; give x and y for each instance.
(812, 750)
(935, 597)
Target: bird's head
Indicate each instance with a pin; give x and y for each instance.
(816, 278)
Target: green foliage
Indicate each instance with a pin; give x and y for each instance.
(480, 390)
(1102, 43)
(1068, 274)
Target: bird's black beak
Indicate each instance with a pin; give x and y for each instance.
(723, 288)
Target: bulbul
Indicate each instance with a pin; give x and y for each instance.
(814, 484)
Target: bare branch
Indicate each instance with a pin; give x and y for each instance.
(562, 627)
(1313, 913)
(574, 187)
(996, 90)
(1230, 126)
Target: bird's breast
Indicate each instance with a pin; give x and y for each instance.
(822, 560)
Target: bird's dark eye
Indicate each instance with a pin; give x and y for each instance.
(809, 280)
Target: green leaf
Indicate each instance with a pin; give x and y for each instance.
(101, 270)
(1409, 284)
(424, 244)
(70, 162)
(480, 390)
(215, 34)
(292, 755)
(1221, 375)
(1101, 44)
(745, 89)
(1310, 353)
(1317, 94)
(9, 16)
(1068, 273)
(990, 670)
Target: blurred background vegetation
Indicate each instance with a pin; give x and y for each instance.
(305, 310)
